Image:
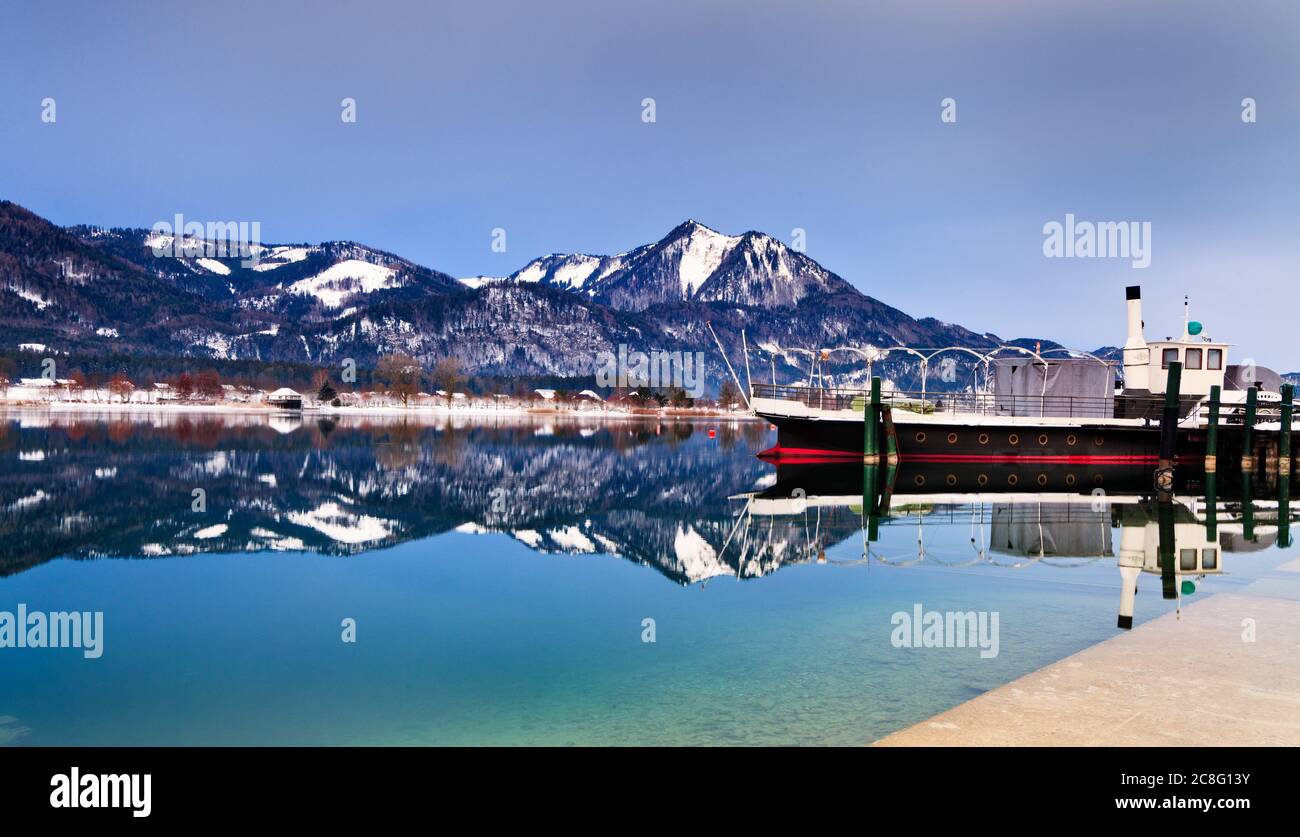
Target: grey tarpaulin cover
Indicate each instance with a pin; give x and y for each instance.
(1065, 529)
(1080, 387)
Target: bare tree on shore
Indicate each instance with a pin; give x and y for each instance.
(446, 376)
(121, 386)
(401, 375)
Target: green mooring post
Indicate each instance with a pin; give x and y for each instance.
(1212, 506)
(1284, 513)
(871, 425)
(1212, 432)
(1248, 431)
(1248, 506)
(891, 435)
(871, 500)
(1164, 477)
(1284, 436)
(1166, 548)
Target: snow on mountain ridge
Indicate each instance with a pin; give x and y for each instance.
(684, 265)
(702, 251)
(343, 279)
(570, 271)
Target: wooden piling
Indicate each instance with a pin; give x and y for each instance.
(891, 435)
(887, 480)
(1284, 435)
(1248, 506)
(1248, 431)
(1212, 506)
(1283, 513)
(1166, 547)
(1212, 432)
(871, 500)
(1164, 476)
(871, 425)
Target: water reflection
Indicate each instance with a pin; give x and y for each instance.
(473, 638)
(1179, 539)
(686, 499)
(651, 492)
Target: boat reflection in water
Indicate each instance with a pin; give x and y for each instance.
(687, 500)
(502, 570)
(1177, 539)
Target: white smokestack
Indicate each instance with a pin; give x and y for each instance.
(1127, 596)
(1132, 556)
(1137, 357)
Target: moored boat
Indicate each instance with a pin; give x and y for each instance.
(1077, 409)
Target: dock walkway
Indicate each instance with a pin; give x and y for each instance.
(1170, 682)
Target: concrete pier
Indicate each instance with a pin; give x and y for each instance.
(1170, 682)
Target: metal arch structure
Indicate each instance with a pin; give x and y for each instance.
(813, 356)
(925, 363)
(872, 354)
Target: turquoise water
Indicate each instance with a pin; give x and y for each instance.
(482, 615)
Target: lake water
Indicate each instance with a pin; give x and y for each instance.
(501, 575)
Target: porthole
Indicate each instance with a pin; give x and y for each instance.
(920, 437)
(1012, 479)
(1071, 440)
(1069, 479)
(952, 438)
(952, 479)
(1097, 479)
(1042, 479)
(1099, 440)
(984, 438)
(920, 480)
(1013, 439)
(1042, 438)
(982, 479)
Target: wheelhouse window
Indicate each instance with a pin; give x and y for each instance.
(1193, 358)
(1187, 560)
(1209, 559)
(1214, 359)
(1167, 357)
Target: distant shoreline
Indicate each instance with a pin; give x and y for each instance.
(423, 410)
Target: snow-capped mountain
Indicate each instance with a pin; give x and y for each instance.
(691, 263)
(89, 292)
(576, 272)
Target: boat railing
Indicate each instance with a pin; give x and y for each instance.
(967, 402)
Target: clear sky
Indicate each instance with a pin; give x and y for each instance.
(770, 115)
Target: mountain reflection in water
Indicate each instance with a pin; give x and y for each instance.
(685, 498)
(652, 492)
(471, 638)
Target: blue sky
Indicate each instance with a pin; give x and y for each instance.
(770, 116)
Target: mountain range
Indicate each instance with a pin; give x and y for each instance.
(92, 290)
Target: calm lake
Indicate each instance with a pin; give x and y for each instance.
(504, 579)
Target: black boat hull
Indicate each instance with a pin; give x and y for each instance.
(820, 440)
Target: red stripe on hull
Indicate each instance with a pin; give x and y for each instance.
(802, 456)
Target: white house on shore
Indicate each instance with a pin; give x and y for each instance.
(285, 399)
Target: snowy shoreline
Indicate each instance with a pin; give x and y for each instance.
(422, 411)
